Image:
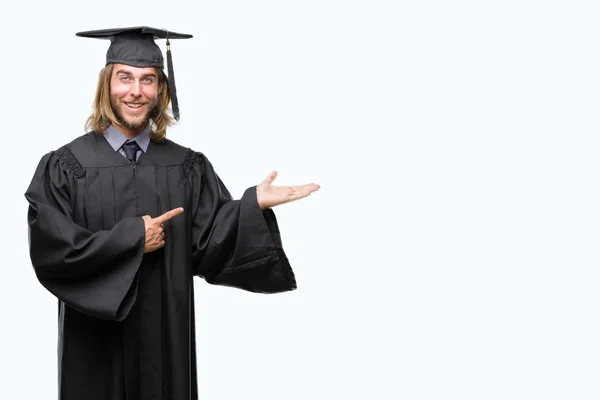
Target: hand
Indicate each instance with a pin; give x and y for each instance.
(155, 230)
(271, 196)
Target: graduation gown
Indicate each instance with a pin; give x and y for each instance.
(126, 318)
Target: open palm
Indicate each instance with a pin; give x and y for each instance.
(269, 195)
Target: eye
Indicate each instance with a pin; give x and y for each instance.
(124, 78)
(148, 79)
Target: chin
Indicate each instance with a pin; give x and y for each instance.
(136, 124)
(135, 120)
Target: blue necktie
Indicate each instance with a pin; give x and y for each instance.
(131, 148)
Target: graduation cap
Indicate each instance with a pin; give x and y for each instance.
(135, 46)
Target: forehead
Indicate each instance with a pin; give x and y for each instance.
(135, 71)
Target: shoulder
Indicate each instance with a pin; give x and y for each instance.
(64, 158)
(80, 148)
(73, 157)
(193, 161)
(69, 155)
(173, 153)
(83, 143)
(60, 161)
(171, 148)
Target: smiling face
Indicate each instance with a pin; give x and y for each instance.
(133, 96)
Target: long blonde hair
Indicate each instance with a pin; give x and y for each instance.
(103, 115)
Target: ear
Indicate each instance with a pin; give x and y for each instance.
(160, 88)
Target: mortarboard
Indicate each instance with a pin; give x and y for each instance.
(136, 47)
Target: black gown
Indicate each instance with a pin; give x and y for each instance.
(126, 318)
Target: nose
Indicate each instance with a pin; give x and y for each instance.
(134, 88)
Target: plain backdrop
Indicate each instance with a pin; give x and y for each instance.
(452, 251)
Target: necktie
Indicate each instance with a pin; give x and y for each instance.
(131, 148)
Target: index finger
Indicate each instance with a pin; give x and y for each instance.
(169, 214)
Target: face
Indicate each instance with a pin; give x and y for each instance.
(133, 95)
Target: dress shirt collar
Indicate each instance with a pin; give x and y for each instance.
(116, 139)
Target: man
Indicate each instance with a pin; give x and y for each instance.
(121, 219)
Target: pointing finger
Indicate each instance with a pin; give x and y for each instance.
(169, 214)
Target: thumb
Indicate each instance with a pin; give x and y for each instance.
(270, 178)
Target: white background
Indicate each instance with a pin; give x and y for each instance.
(452, 252)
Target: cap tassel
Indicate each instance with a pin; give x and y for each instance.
(171, 79)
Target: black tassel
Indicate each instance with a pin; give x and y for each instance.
(171, 78)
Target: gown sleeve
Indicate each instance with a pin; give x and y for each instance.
(92, 272)
(235, 243)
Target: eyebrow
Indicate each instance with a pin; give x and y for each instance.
(122, 71)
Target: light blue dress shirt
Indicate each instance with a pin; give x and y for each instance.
(116, 140)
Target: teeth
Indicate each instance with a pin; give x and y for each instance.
(133, 105)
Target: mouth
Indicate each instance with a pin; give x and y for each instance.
(134, 106)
